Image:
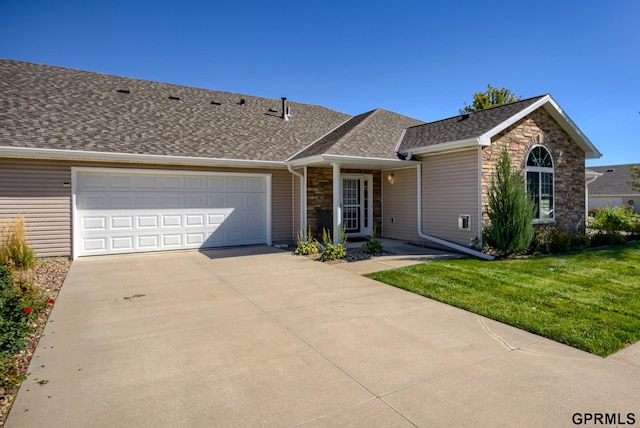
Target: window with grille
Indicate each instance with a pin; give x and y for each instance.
(539, 171)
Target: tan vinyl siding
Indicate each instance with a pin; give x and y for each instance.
(281, 205)
(450, 188)
(400, 206)
(295, 196)
(34, 190)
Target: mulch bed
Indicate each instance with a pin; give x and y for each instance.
(48, 275)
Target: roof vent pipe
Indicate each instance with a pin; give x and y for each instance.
(284, 115)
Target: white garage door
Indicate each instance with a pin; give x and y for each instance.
(128, 211)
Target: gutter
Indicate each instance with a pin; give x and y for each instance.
(303, 201)
(453, 246)
(78, 155)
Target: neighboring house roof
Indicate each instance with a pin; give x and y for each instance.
(45, 107)
(613, 181)
(477, 128)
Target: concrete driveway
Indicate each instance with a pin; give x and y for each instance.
(258, 337)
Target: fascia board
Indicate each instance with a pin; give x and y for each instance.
(449, 146)
(591, 152)
(549, 104)
(364, 160)
(513, 119)
(306, 161)
(351, 160)
(404, 131)
(76, 155)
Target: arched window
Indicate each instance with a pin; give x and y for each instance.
(539, 170)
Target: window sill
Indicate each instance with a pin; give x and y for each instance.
(544, 221)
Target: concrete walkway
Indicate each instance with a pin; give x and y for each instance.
(259, 337)
(404, 254)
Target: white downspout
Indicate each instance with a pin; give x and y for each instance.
(460, 248)
(337, 203)
(303, 201)
(595, 176)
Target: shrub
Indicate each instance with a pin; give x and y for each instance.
(618, 219)
(372, 246)
(332, 251)
(14, 250)
(307, 246)
(10, 376)
(553, 241)
(20, 304)
(607, 238)
(15, 310)
(561, 241)
(510, 211)
(542, 241)
(580, 241)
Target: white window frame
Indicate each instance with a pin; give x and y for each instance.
(539, 170)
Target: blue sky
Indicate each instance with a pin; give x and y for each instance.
(418, 58)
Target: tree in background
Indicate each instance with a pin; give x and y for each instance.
(511, 211)
(492, 97)
(635, 173)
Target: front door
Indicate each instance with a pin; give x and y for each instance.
(356, 204)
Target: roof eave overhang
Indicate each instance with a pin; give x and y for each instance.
(450, 146)
(548, 103)
(356, 162)
(565, 122)
(80, 155)
(590, 150)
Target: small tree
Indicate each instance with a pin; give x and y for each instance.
(492, 97)
(635, 173)
(510, 210)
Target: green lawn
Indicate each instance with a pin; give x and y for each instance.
(589, 300)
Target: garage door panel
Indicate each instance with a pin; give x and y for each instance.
(122, 243)
(192, 220)
(170, 183)
(137, 211)
(215, 183)
(95, 244)
(147, 221)
(150, 242)
(92, 202)
(94, 223)
(171, 201)
(169, 220)
(124, 202)
(148, 202)
(120, 181)
(121, 222)
(172, 240)
(145, 182)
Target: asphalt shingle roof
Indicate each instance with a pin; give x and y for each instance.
(613, 181)
(58, 108)
(372, 134)
(462, 127)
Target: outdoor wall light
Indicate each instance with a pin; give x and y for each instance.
(391, 179)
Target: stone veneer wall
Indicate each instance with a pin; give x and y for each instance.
(320, 194)
(568, 159)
